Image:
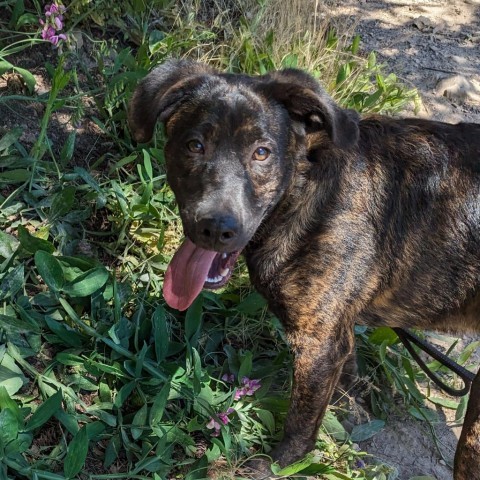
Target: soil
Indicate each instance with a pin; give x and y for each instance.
(433, 45)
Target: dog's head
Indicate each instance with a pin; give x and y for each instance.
(232, 144)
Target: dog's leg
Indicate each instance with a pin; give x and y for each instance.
(467, 456)
(320, 355)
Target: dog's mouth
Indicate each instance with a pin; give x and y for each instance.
(193, 268)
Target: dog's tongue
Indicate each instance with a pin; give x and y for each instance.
(186, 275)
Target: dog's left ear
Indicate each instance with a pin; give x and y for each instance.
(305, 100)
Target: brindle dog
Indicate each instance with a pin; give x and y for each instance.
(342, 220)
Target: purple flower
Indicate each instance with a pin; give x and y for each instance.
(58, 23)
(228, 377)
(54, 9)
(56, 38)
(360, 463)
(53, 23)
(239, 394)
(214, 425)
(48, 33)
(251, 386)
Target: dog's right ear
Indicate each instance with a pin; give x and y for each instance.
(160, 92)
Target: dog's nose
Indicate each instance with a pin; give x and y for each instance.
(217, 233)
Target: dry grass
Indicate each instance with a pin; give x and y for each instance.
(301, 30)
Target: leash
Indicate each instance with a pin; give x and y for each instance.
(408, 338)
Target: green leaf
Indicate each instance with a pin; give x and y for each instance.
(343, 74)
(69, 359)
(12, 282)
(139, 422)
(27, 19)
(147, 163)
(159, 404)
(70, 337)
(87, 283)
(267, 419)
(424, 414)
(18, 9)
(294, 467)
(383, 334)
(124, 393)
(50, 270)
(467, 352)
(355, 44)
(462, 408)
(112, 451)
(251, 304)
(76, 453)
(45, 411)
(160, 333)
(369, 102)
(10, 137)
(8, 245)
(5, 66)
(18, 325)
(246, 366)
(197, 371)
(333, 427)
(68, 148)
(9, 425)
(95, 430)
(444, 402)
(366, 430)
(44, 475)
(6, 402)
(11, 376)
(31, 243)
(68, 421)
(193, 320)
(411, 388)
(198, 471)
(17, 175)
(62, 203)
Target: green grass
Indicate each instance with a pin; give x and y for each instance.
(98, 378)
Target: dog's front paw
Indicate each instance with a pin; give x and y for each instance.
(259, 469)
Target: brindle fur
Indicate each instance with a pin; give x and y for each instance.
(373, 221)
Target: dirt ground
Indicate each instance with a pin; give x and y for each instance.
(433, 45)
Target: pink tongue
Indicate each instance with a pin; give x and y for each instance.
(186, 275)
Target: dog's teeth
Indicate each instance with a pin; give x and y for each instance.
(214, 279)
(225, 272)
(224, 256)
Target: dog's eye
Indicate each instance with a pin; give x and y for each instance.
(195, 146)
(261, 154)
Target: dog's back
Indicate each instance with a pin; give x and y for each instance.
(425, 211)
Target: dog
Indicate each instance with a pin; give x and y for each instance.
(341, 219)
